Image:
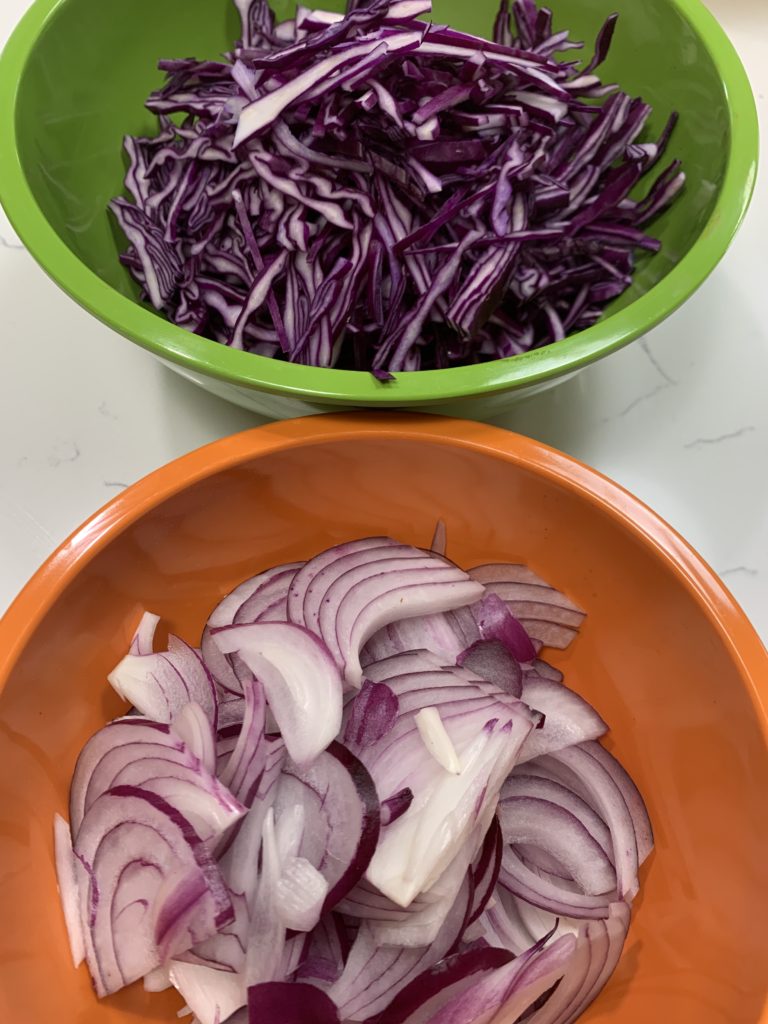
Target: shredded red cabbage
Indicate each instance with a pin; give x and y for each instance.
(377, 192)
(438, 839)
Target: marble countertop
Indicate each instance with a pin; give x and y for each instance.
(83, 413)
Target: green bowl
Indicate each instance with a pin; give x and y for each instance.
(73, 80)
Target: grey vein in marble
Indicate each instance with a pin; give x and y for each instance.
(739, 570)
(66, 452)
(640, 399)
(702, 442)
(115, 483)
(5, 244)
(655, 363)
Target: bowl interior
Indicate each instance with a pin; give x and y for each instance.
(650, 657)
(81, 91)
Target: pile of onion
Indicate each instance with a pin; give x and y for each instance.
(364, 797)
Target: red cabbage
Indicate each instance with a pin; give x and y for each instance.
(374, 191)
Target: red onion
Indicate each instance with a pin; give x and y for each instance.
(284, 835)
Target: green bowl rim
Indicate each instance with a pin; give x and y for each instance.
(348, 387)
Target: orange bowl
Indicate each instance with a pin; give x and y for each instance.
(665, 654)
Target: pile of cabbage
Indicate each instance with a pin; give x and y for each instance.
(378, 192)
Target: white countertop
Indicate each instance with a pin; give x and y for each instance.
(83, 413)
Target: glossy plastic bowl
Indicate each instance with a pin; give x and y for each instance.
(73, 81)
(665, 654)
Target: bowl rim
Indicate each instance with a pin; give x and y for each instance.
(198, 355)
(725, 616)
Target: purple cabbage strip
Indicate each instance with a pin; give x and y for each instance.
(402, 195)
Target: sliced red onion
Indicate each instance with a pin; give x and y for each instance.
(374, 974)
(546, 671)
(324, 952)
(66, 876)
(485, 871)
(231, 710)
(224, 951)
(426, 915)
(224, 614)
(266, 933)
(549, 893)
(137, 752)
(542, 823)
(568, 718)
(632, 798)
(495, 622)
(149, 889)
(395, 806)
(503, 927)
(598, 948)
(364, 901)
(301, 894)
(237, 858)
(243, 771)
(134, 732)
(269, 603)
(340, 816)
(439, 985)
(399, 834)
(420, 923)
(436, 739)
(510, 990)
(195, 729)
(540, 922)
(546, 614)
(521, 785)
(158, 980)
(445, 634)
(606, 798)
(204, 802)
(212, 995)
(491, 660)
(301, 681)
(416, 849)
(160, 685)
(289, 1003)
(349, 593)
(371, 714)
(310, 583)
(543, 864)
(144, 637)
(403, 663)
(295, 954)
(226, 741)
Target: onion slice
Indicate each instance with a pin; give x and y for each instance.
(546, 614)
(340, 815)
(568, 718)
(267, 588)
(160, 685)
(66, 876)
(144, 637)
(350, 592)
(301, 681)
(290, 1004)
(134, 751)
(149, 889)
(212, 995)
